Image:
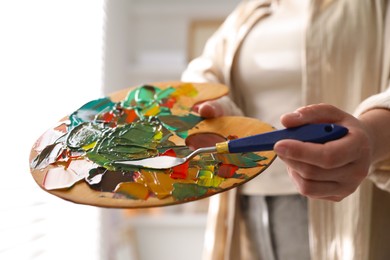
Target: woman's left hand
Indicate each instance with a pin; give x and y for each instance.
(222, 106)
(329, 171)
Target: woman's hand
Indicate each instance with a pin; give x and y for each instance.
(329, 171)
(209, 109)
(223, 106)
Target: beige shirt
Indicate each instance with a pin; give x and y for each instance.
(268, 72)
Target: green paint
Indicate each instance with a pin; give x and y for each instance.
(148, 98)
(133, 141)
(205, 161)
(87, 112)
(180, 124)
(240, 160)
(145, 95)
(185, 191)
(254, 157)
(164, 94)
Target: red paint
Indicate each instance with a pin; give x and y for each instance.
(227, 170)
(232, 137)
(169, 152)
(180, 171)
(130, 115)
(169, 102)
(107, 117)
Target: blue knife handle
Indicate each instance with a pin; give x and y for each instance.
(315, 133)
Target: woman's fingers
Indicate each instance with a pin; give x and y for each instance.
(223, 106)
(318, 113)
(326, 190)
(210, 109)
(332, 170)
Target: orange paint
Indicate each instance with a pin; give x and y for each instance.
(132, 190)
(158, 182)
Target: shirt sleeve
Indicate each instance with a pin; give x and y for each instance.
(380, 172)
(381, 100)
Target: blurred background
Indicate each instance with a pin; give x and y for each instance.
(56, 56)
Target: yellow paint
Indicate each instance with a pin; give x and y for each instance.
(152, 111)
(132, 189)
(185, 89)
(207, 178)
(158, 135)
(89, 146)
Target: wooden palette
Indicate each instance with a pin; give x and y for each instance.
(75, 160)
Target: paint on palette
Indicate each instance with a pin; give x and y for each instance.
(102, 132)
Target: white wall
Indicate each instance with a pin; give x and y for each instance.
(147, 39)
(50, 64)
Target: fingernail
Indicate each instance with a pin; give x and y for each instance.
(296, 114)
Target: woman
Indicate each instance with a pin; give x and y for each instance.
(346, 65)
